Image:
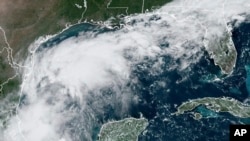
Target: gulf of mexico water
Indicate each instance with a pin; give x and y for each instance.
(160, 93)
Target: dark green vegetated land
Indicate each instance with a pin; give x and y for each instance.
(33, 19)
(104, 9)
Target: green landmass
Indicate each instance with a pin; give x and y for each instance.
(139, 6)
(8, 79)
(223, 51)
(25, 20)
(124, 130)
(224, 104)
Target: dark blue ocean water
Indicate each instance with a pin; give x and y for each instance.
(160, 103)
(157, 101)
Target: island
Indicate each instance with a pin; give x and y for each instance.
(224, 104)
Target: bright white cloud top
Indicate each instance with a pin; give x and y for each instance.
(63, 85)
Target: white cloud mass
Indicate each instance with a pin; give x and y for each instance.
(64, 84)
